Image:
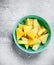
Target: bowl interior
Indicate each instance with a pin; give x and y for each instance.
(43, 23)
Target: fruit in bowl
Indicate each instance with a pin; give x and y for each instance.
(32, 34)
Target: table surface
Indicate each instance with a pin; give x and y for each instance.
(10, 12)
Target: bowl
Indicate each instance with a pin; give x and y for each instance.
(43, 23)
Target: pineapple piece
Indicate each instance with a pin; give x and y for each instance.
(36, 46)
(23, 41)
(35, 30)
(42, 30)
(32, 42)
(27, 28)
(29, 22)
(32, 33)
(26, 46)
(21, 26)
(36, 24)
(19, 33)
(37, 41)
(37, 36)
(43, 38)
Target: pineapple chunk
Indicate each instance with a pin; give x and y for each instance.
(29, 22)
(35, 30)
(36, 24)
(37, 41)
(27, 28)
(26, 46)
(43, 38)
(42, 30)
(19, 33)
(21, 26)
(23, 41)
(36, 46)
(32, 33)
(32, 42)
(37, 36)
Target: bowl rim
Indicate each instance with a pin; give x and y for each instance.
(24, 50)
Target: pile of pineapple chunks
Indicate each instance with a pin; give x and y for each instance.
(31, 34)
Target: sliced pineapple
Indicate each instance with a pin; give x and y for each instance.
(19, 33)
(36, 24)
(29, 22)
(43, 38)
(35, 30)
(26, 46)
(36, 46)
(42, 31)
(23, 41)
(37, 36)
(30, 42)
(27, 28)
(32, 33)
(37, 41)
(21, 26)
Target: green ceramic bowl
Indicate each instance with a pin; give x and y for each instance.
(43, 23)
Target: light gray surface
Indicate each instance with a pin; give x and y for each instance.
(10, 12)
